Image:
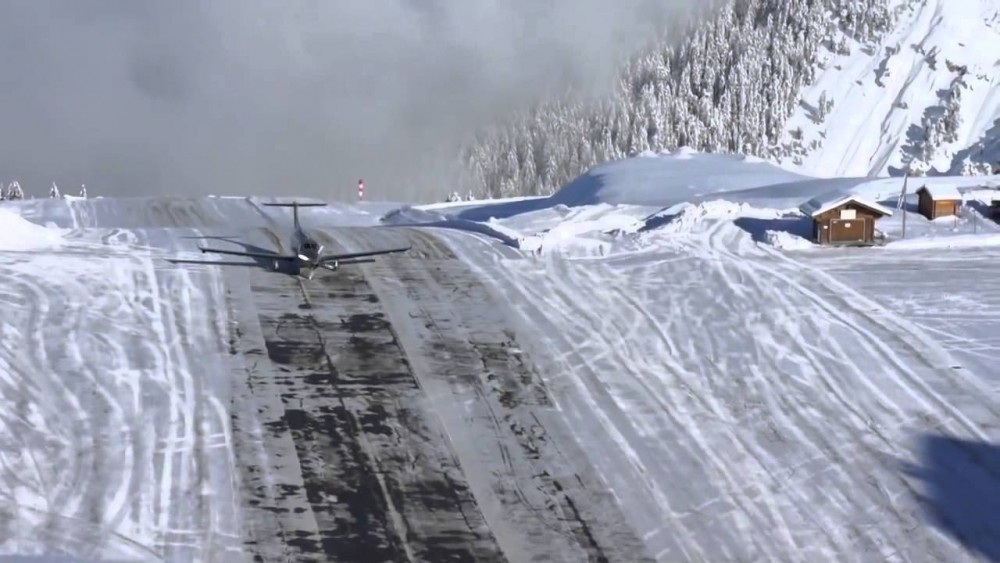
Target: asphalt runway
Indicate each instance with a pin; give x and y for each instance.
(385, 412)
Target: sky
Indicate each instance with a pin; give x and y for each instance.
(288, 97)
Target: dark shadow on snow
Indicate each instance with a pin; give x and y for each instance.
(961, 491)
(581, 191)
(284, 266)
(988, 212)
(660, 218)
(812, 112)
(461, 225)
(793, 224)
(656, 221)
(984, 151)
(911, 205)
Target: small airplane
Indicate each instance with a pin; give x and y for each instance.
(308, 254)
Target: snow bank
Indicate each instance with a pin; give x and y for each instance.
(414, 217)
(457, 205)
(19, 234)
(787, 241)
(687, 218)
(584, 231)
(956, 241)
(694, 215)
(411, 215)
(669, 178)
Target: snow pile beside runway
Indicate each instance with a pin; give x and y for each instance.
(787, 241)
(693, 217)
(954, 241)
(19, 234)
(413, 217)
(585, 230)
(667, 178)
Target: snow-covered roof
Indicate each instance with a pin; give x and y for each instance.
(832, 200)
(940, 192)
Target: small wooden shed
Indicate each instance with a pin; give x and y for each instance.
(843, 219)
(938, 201)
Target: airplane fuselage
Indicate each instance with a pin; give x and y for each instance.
(307, 252)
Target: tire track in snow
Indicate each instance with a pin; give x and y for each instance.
(598, 403)
(810, 430)
(77, 470)
(903, 334)
(678, 375)
(790, 414)
(85, 359)
(903, 374)
(759, 512)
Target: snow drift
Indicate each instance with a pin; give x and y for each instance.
(18, 234)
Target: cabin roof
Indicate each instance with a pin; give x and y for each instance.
(941, 192)
(832, 200)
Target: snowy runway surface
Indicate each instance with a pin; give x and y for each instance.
(700, 397)
(379, 413)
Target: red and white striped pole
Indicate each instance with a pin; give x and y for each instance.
(361, 190)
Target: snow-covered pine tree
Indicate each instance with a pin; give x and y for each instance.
(728, 87)
(972, 168)
(14, 191)
(83, 190)
(54, 191)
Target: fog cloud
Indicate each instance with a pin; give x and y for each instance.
(293, 97)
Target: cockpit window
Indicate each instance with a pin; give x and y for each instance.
(309, 246)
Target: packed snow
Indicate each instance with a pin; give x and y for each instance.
(18, 234)
(115, 438)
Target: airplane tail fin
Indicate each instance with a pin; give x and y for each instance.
(295, 205)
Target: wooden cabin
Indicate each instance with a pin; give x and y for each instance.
(938, 201)
(843, 219)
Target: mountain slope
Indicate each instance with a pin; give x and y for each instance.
(910, 80)
(928, 94)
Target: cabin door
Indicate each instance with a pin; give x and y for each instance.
(847, 230)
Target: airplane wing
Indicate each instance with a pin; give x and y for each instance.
(212, 262)
(250, 254)
(349, 256)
